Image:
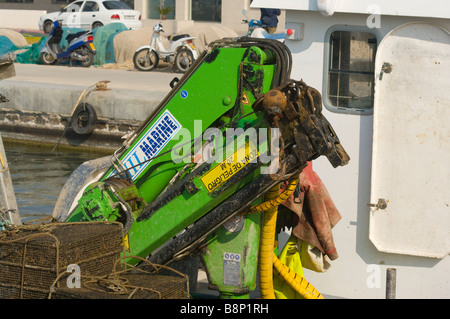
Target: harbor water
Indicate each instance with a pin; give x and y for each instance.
(38, 175)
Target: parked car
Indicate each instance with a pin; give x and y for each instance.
(92, 14)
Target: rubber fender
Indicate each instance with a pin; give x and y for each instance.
(83, 119)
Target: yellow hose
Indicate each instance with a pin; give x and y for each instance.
(298, 283)
(274, 198)
(267, 259)
(267, 245)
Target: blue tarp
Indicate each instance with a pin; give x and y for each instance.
(30, 55)
(103, 42)
(6, 45)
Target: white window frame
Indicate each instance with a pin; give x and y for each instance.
(325, 86)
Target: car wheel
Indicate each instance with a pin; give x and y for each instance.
(96, 25)
(47, 27)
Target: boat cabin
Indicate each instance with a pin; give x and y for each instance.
(383, 68)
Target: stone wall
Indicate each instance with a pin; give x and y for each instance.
(50, 128)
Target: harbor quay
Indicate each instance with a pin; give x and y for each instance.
(41, 101)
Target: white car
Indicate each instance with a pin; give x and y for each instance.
(92, 14)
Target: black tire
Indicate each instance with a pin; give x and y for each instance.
(144, 60)
(89, 59)
(47, 26)
(183, 60)
(87, 55)
(83, 119)
(96, 25)
(47, 58)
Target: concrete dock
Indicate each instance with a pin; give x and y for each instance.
(42, 98)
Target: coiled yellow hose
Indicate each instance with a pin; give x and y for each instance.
(268, 259)
(298, 283)
(267, 245)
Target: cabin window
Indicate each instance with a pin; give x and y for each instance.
(206, 10)
(350, 85)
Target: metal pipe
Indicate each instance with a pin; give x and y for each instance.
(8, 203)
(391, 278)
(235, 204)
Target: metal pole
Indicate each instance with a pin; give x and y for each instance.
(8, 204)
(391, 278)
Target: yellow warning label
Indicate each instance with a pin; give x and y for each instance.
(222, 172)
(126, 243)
(244, 99)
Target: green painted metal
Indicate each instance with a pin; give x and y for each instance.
(220, 93)
(96, 202)
(231, 256)
(181, 211)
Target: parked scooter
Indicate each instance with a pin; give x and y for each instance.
(256, 29)
(80, 47)
(181, 52)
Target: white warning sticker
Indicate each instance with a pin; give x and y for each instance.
(231, 269)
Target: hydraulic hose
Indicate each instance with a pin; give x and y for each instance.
(267, 245)
(274, 199)
(268, 259)
(298, 283)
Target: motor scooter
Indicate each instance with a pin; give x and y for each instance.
(80, 47)
(256, 30)
(181, 52)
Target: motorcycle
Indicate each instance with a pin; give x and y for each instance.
(256, 30)
(181, 52)
(79, 49)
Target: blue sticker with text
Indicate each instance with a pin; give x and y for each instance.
(231, 269)
(161, 132)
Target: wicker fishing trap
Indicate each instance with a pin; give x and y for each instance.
(31, 258)
(34, 262)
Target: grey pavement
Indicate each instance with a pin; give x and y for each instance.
(79, 76)
(132, 95)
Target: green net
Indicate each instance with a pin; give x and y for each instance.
(104, 42)
(23, 55)
(31, 56)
